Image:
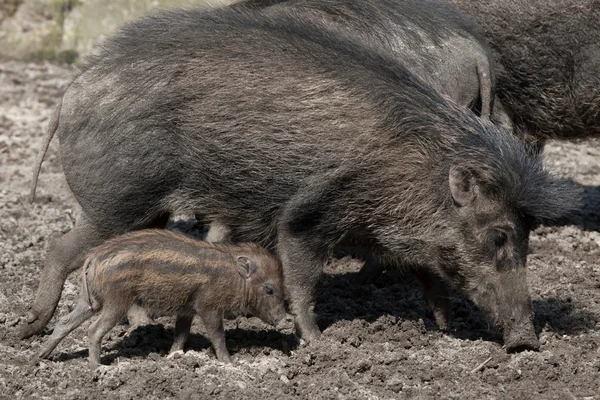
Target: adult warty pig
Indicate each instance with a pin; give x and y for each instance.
(175, 274)
(300, 139)
(435, 41)
(548, 52)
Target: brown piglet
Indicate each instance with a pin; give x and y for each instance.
(173, 274)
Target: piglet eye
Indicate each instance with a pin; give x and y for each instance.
(500, 239)
(268, 290)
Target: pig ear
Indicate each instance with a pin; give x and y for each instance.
(462, 186)
(244, 267)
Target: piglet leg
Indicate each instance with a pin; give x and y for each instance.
(66, 325)
(213, 322)
(182, 331)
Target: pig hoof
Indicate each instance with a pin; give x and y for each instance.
(26, 330)
(175, 354)
(44, 354)
(32, 316)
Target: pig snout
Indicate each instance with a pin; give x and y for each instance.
(516, 313)
(505, 300)
(278, 317)
(520, 336)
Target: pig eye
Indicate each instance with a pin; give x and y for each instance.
(268, 290)
(500, 239)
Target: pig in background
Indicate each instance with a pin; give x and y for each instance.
(174, 274)
(548, 58)
(302, 139)
(435, 41)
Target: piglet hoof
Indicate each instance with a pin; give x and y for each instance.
(225, 359)
(175, 355)
(95, 366)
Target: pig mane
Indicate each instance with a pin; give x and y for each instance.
(506, 168)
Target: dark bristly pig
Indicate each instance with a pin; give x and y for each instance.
(548, 54)
(301, 139)
(435, 41)
(173, 274)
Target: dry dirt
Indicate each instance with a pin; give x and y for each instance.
(380, 341)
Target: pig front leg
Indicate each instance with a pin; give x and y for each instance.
(436, 295)
(302, 269)
(109, 317)
(213, 322)
(182, 331)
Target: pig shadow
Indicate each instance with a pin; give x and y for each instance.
(397, 294)
(155, 341)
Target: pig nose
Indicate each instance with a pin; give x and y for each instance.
(287, 322)
(521, 337)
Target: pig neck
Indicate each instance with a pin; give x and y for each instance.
(241, 296)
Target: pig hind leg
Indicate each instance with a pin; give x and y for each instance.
(66, 325)
(65, 255)
(109, 317)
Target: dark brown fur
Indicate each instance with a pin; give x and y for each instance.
(174, 274)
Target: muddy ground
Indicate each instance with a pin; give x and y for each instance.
(380, 341)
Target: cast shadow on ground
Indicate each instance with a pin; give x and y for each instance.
(399, 295)
(156, 339)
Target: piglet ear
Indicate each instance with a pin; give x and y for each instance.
(462, 186)
(244, 267)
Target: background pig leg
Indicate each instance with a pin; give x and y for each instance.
(111, 313)
(218, 232)
(182, 331)
(501, 116)
(213, 322)
(436, 295)
(65, 254)
(370, 271)
(486, 87)
(66, 324)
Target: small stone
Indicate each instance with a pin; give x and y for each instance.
(242, 385)
(394, 384)
(284, 379)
